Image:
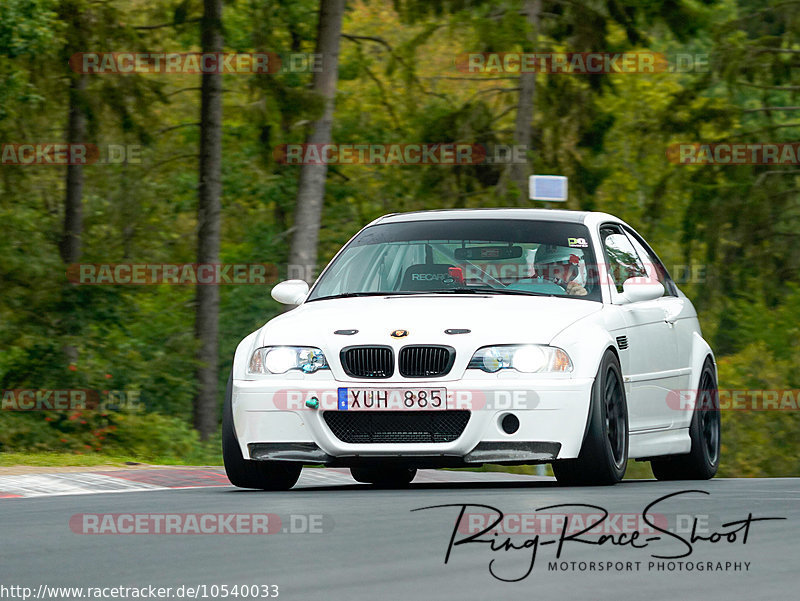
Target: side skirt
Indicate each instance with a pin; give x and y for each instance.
(644, 445)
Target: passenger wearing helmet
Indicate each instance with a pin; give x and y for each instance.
(561, 265)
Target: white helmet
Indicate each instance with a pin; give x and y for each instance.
(549, 254)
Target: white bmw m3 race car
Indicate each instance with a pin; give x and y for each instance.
(462, 337)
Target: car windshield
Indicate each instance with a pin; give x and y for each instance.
(464, 256)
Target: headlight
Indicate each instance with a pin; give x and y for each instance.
(280, 359)
(527, 358)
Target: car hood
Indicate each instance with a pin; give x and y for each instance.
(491, 319)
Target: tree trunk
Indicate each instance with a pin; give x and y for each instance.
(311, 187)
(527, 91)
(208, 225)
(70, 247)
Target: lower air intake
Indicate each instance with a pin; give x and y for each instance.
(363, 427)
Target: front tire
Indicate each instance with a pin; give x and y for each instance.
(604, 453)
(245, 473)
(702, 461)
(384, 477)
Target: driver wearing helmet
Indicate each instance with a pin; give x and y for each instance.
(562, 266)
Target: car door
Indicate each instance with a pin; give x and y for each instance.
(679, 314)
(651, 343)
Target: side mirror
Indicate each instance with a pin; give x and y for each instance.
(635, 290)
(290, 292)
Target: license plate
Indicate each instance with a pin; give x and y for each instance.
(392, 399)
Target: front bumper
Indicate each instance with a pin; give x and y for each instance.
(273, 423)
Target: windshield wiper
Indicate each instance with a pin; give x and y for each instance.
(463, 290)
(486, 290)
(355, 294)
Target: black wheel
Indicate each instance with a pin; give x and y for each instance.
(245, 473)
(604, 453)
(702, 461)
(394, 477)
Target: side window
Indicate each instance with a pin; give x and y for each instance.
(655, 269)
(623, 261)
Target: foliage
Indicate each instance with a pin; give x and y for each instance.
(150, 437)
(398, 83)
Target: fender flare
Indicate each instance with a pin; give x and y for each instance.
(588, 346)
(242, 355)
(701, 352)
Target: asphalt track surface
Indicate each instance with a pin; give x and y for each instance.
(374, 547)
